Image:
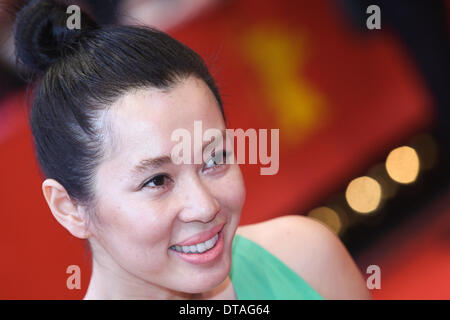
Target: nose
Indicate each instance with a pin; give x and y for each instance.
(199, 204)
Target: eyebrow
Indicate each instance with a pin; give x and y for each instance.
(152, 163)
(155, 163)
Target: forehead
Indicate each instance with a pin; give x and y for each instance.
(143, 120)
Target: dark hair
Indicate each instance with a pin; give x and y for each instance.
(79, 73)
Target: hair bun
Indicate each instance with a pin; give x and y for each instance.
(42, 36)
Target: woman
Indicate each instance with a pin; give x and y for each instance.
(106, 102)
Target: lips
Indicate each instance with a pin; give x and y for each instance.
(201, 237)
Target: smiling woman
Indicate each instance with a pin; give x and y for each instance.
(106, 101)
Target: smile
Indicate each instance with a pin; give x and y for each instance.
(208, 251)
(199, 247)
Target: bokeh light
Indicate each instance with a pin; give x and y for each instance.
(363, 194)
(329, 217)
(402, 164)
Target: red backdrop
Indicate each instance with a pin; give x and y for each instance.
(340, 99)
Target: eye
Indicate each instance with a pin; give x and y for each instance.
(158, 181)
(217, 160)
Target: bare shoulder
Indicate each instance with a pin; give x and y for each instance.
(313, 251)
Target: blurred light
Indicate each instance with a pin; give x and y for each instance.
(402, 164)
(327, 216)
(363, 194)
(426, 148)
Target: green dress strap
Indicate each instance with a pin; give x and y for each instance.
(258, 274)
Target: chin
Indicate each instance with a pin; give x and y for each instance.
(205, 286)
(208, 279)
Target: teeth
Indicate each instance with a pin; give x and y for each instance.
(201, 247)
(198, 248)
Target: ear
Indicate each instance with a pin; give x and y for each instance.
(71, 216)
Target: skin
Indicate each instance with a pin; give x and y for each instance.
(320, 257)
(134, 226)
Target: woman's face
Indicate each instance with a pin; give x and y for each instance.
(141, 213)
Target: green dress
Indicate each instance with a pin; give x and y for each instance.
(257, 274)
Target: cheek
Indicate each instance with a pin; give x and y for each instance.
(136, 221)
(134, 233)
(233, 190)
(128, 218)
